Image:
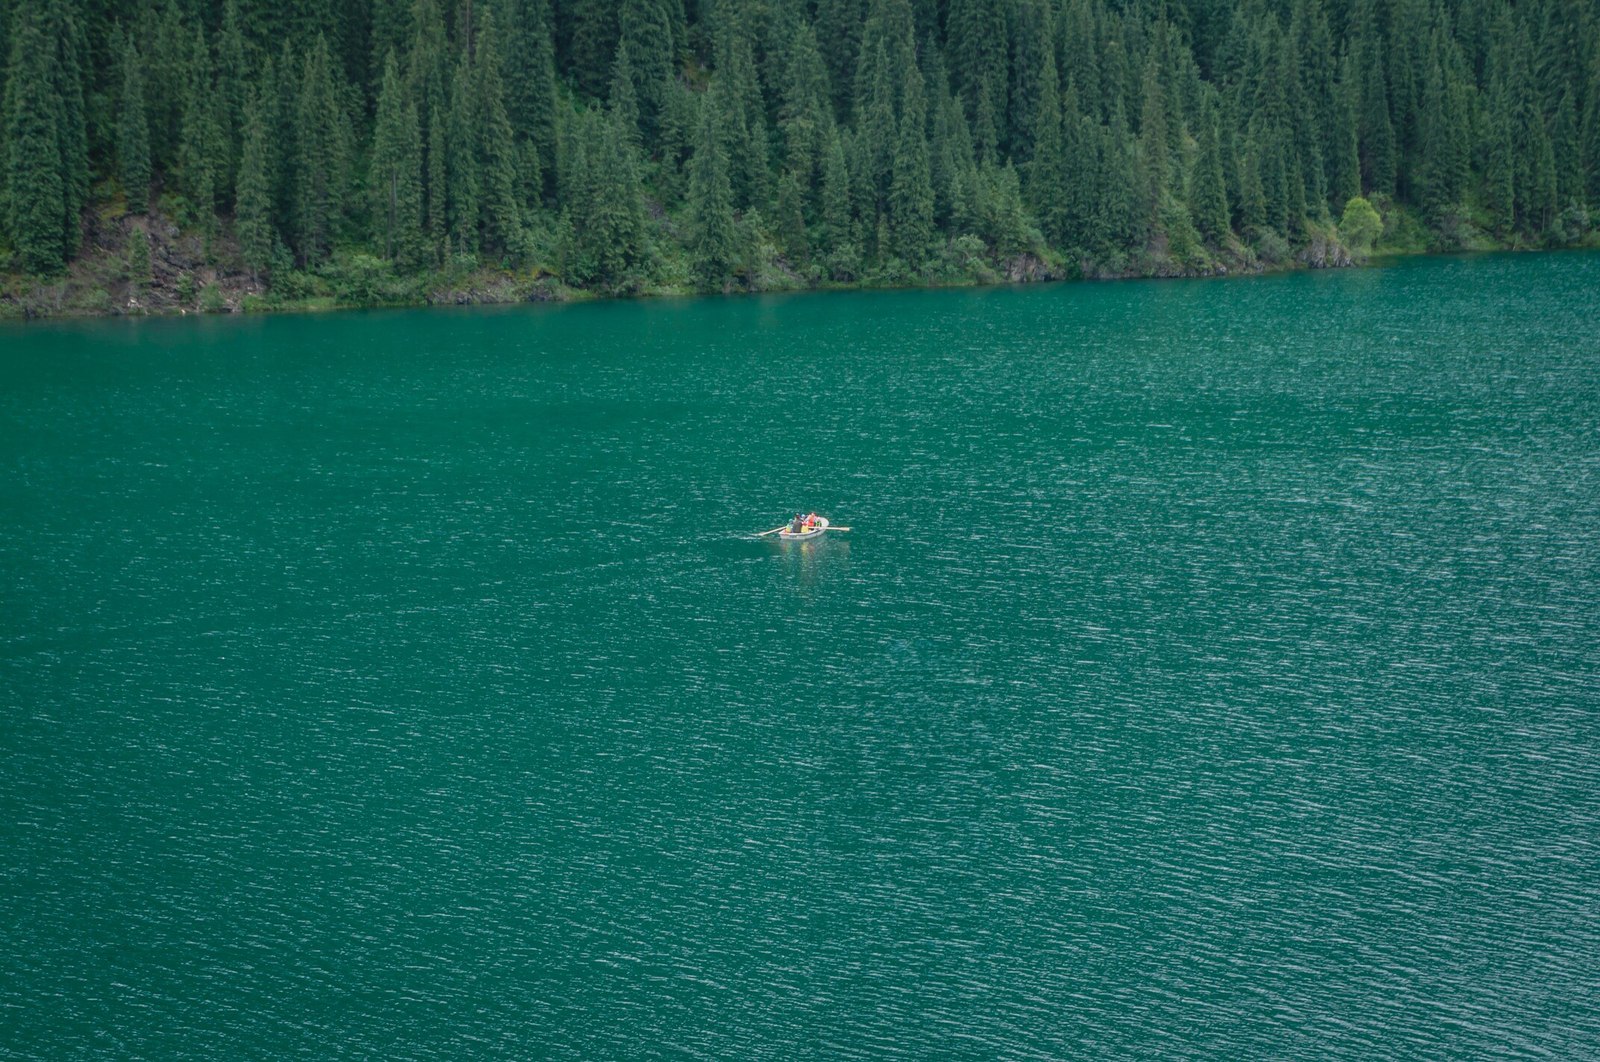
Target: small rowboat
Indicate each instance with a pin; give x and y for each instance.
(807, 531)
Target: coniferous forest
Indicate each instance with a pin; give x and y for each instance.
(387, 150)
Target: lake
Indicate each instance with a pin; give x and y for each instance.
(1211, 670)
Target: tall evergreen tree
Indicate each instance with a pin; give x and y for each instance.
(464, 175)
(233, 73)
(497, 152)
(648, 36)
(977, 35)
(530, 82)
(133, 133)
(911, 187)
(254, 196)
(37, 196)
(395, 175)
(1344, 156)
(835, 190)
(200, 149)
(1208, 203)
(714, 241)
(321, 157)
(1045, 171)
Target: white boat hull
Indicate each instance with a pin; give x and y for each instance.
(800, 536)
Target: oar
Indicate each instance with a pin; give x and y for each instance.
(830, 527)
(774, 531)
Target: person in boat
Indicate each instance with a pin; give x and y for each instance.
(811, 521)
(794, 525)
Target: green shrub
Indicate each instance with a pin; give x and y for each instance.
(211, 300)
(137, 261)
(1360, 227)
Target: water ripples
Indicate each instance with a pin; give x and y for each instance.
(1209, 673)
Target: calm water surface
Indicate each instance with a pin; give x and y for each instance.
(1212, 671)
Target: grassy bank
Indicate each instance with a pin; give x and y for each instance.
(151, 265)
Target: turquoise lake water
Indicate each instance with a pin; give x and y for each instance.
(1211, 670)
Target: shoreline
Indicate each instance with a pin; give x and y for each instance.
(183, 286)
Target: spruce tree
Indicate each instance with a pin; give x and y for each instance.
(321, 157)
(1590, 135)
(254, 194)
(646, 35)
(497, 152)
(463, 180)
(623, 99)
(978, 37)
(67, 55)
(911, 189)
(199, 149)
(233, 73)
(713, 246)
(1378, 148)
(1045, 196)
(1153, 140)
(791, 220)
(1208, 203)
(133, 133)
(395, 175)
(1344, 158)
(530, 81)
(36, 197)
(835, 190)
(1567, 153)
(805, 113)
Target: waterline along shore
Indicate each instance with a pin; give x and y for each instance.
(182, 282)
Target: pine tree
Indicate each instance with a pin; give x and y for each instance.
(593, 43)
(792, 220)
(254, 195)
(36, 193)
(876, 131)
(743, 123)
(837, 122)
(463, 180)
(497, 152)
(1567, 153)
(200, 151)
(168, 58)
(1378, 148)
(133, 133)
(911, 189)
(1208, 203)
(623, 99)
(67, 57)
(1590, 151)
(395, 175)
(233, 71)
(1046, 168)
(1153, 140)
(647, 36)
(978, 36)
(714, 243)
(805, 113)
(321, 158)
(838, 31)
(835, 190)
(530, 82)
(137, 263)
(1344, 159)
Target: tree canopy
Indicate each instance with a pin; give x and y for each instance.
(614, 141)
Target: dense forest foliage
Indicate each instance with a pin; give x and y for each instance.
(630, 144)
